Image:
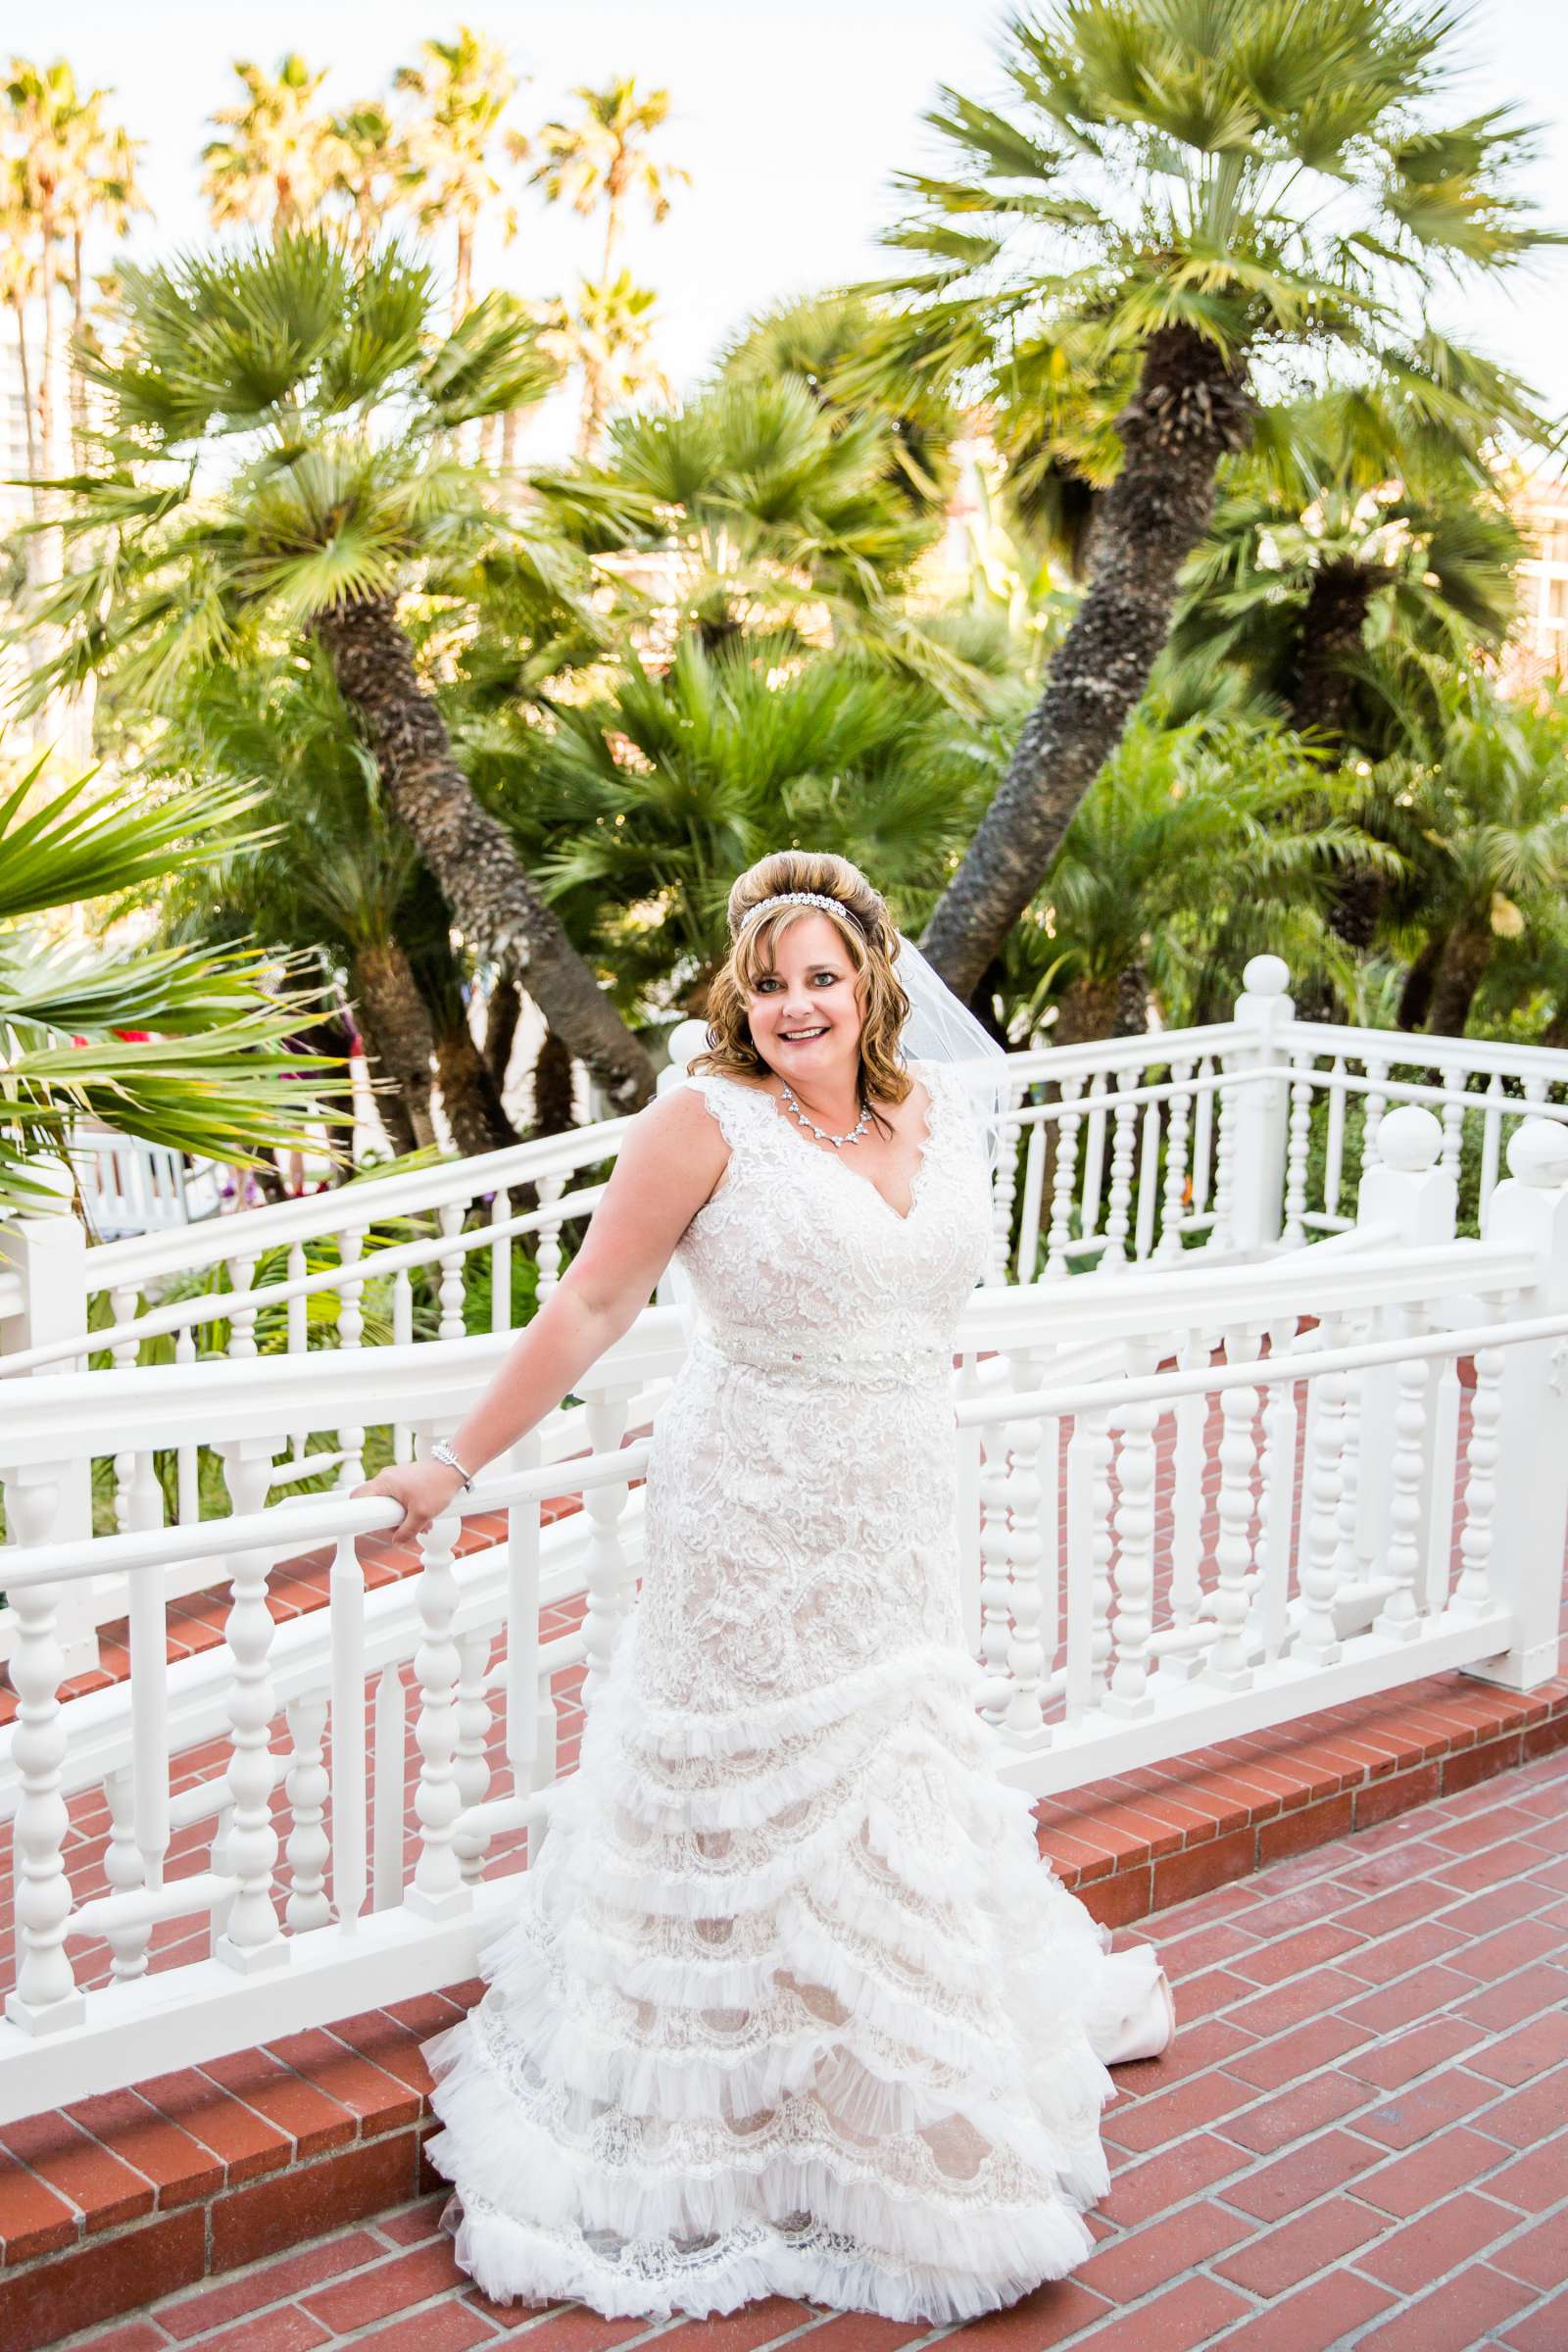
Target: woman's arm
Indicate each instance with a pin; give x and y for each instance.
(673, 1156)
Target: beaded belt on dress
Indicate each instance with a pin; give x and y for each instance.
(910, 1359)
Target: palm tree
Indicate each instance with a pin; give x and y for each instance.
(1358, 521)
(642, 803)
(1174, 186)
(769, 517)
(211, 1078)
(328, 876)
(373, 172)
(602, 162)
(609, 335)
(826, 342)
(342, 498)
(461, 90)
(1477, 805)
(276, 156)
(1197, 846)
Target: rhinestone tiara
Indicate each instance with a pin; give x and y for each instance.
(795, 898)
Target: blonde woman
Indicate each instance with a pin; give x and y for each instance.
(788, 2004)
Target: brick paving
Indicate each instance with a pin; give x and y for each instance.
(1359, 2139)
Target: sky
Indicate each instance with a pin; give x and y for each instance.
(792, 123)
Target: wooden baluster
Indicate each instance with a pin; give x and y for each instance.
(472, 1761)
(241, 1273)
(123, 1300)
(1119, 1193)
(351, 1338)
(1148, 1184)
(391, 1740)
(402, 1337)
(1174, 1205)
(1472, 1593)
(1101, 1452)
(1491, 1143)
(607, 1574)
(1128, 1694)
(45, 1997)
(1400, 1618)
(252, 1939)
(308, 1789)
(346, 1623)
(1080, 1575)
(1317, 1575)
(1297, 1143)
(1227, 1666)
(1353, 1547)
(1443, 1452)
(188, 1458)
(501, 1264)
(549, 1190)
(438, 1891)
(1203, 1137)
(452, 1325)
(1003, 1188)
(298, 1308)
(123, 1868)
(1276, 1534)
(1065, 1178)
(1034, 1178)
(1093, 1156)
(1334, 1149)
(1219, 1231)
(1187, 1510)
(1025, 1658)
(1454, 1110)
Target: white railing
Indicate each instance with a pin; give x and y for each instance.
(129, 1186)
(1232, 1139)
(1427, 1402)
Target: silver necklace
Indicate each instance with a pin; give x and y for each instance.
(821, 1133)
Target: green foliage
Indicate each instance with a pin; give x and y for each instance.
(639, 807)
(213, 1078)
(278, 436)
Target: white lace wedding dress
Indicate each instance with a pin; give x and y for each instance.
(788, 2004)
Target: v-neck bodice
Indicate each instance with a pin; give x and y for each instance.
(797, 1256)
(921, 1156)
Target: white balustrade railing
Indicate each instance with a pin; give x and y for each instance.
(1231, 1141)
(1141, 1567)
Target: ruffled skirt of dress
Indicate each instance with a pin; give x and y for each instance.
(788, 2005)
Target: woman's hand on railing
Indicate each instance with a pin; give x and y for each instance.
(423, 1489)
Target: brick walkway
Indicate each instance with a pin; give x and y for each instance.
(1359, 2139)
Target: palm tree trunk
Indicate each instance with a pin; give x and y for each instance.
(501, 1028)
(473, 861)
(1086, 1012)
(1461, 969)
(1322, 689)
(1415, 998)
(29, 422)
(470, 1096)
(1191, 408)
(553, 1108)
(395, 1022)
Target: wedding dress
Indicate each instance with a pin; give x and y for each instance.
(788, 2004)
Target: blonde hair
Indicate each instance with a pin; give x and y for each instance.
(860, 917)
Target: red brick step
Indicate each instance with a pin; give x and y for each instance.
(191, 2175)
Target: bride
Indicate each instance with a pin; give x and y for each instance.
(788, 2004)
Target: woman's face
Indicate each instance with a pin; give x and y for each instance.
(805, 1014)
